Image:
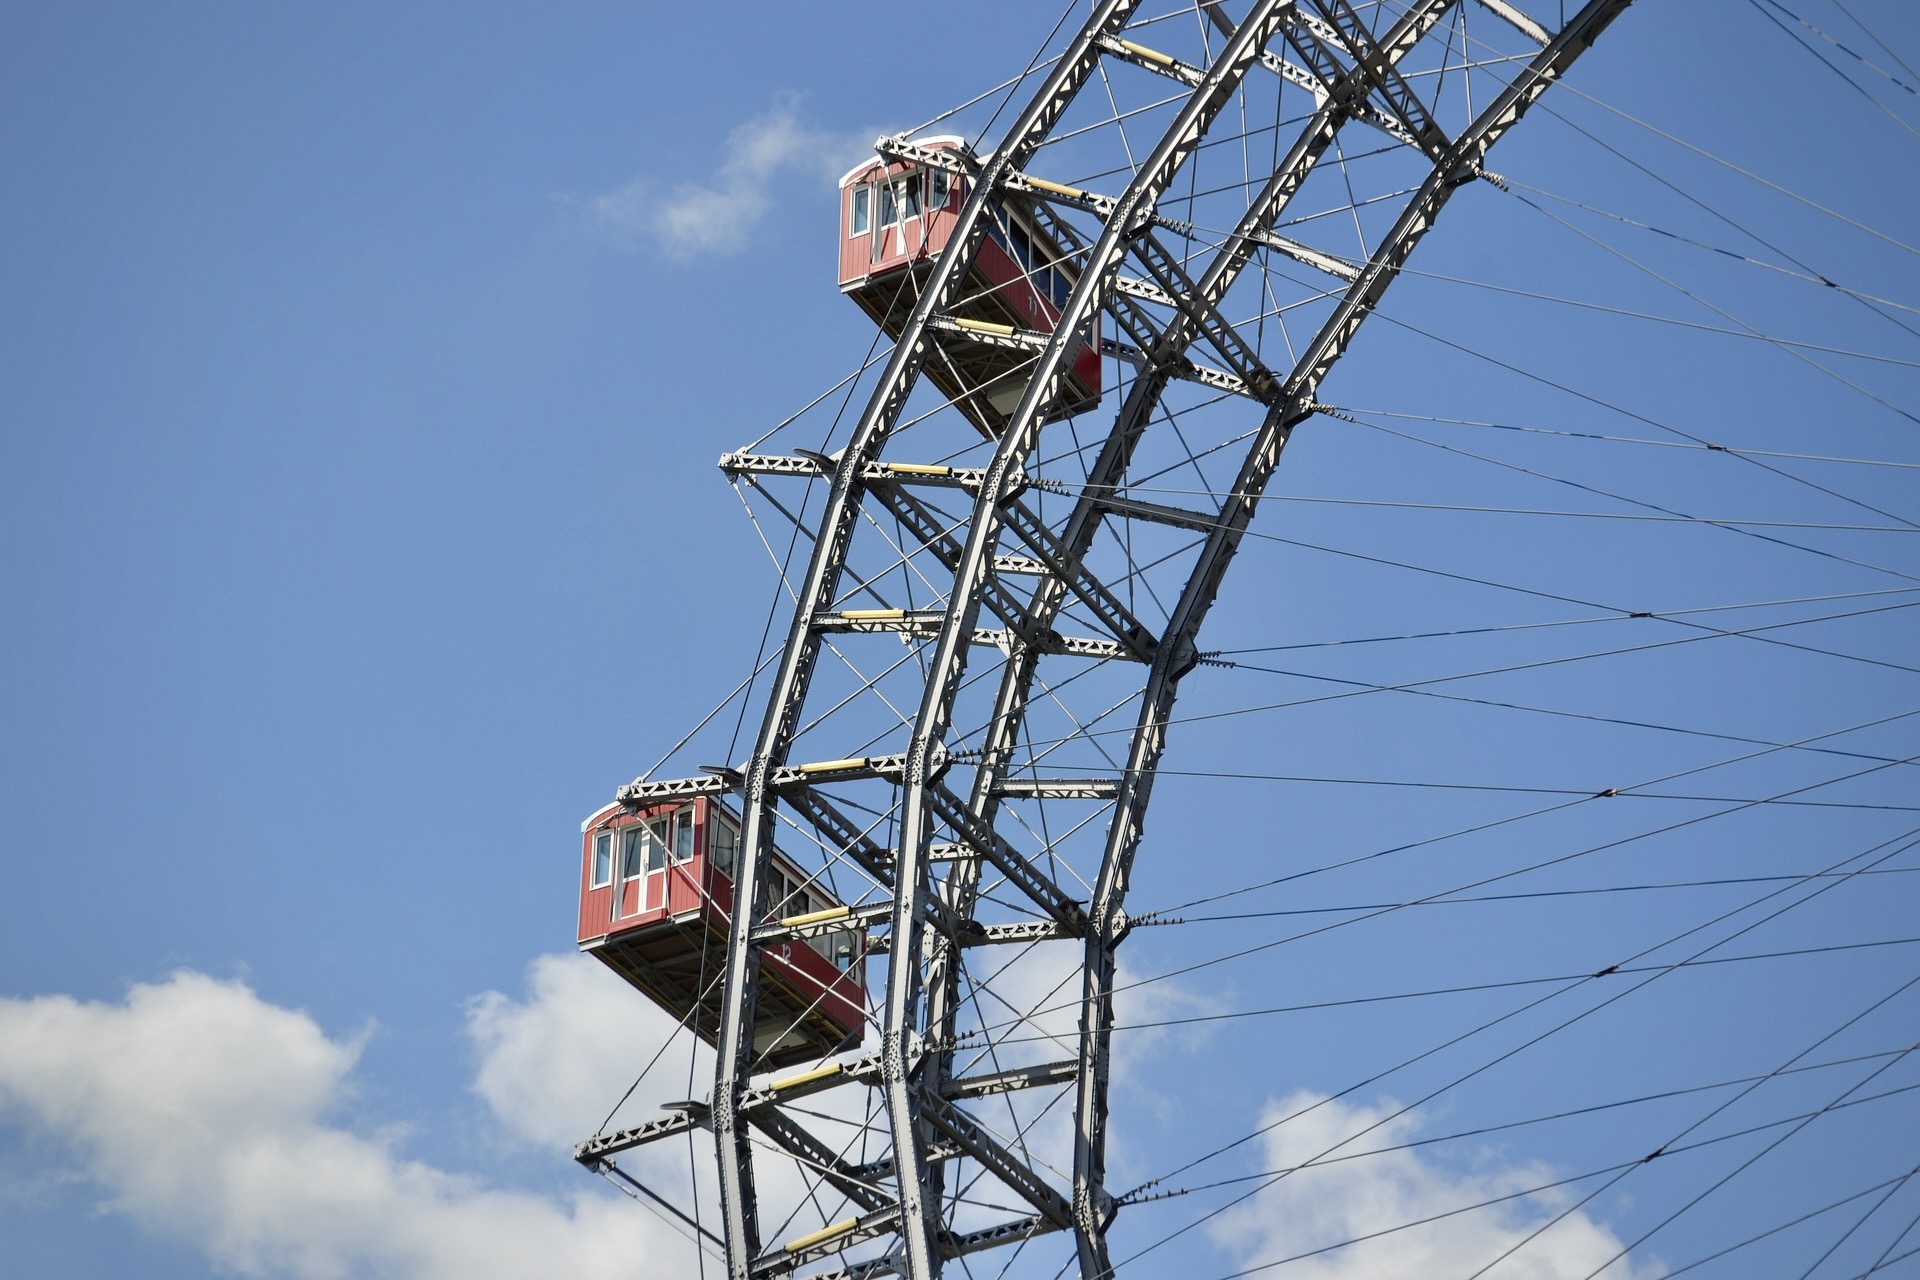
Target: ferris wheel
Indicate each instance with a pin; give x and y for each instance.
(1105, 314)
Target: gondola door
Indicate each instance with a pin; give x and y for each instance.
(629, 895)
(656, 837)
(641, 858)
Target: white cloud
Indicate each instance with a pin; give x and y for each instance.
(201, 1112)
(204, 1113)
(552, 1065)
(688, 220)
(1339, 1200)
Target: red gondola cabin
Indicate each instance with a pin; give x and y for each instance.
(656, 906)
(895, 219)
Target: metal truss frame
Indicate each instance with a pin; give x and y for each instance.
(946, 838)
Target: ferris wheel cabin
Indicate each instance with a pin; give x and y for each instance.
(656, 907)
(896, 219)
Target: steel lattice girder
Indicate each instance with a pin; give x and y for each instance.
(1351, 72)
(795, 669)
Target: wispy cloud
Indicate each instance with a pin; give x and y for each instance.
(206, 1114)
(1332, 1201)
(718, 216)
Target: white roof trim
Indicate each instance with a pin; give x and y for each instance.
(952, 141)
(596, 815)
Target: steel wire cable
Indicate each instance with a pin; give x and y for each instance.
(1212, 1154)
(1708, 446)
(1717, 213)
(980, 987)
(1838, 72)
(1550, 809)
(1889, 50)
(1361, 688)
(1571, 1180)
(1414, 1144)
(1638, 417)
(1441, 895)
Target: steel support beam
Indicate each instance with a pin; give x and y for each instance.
(792, 676)
(1108, 921)
(929, 924)
(946, 663)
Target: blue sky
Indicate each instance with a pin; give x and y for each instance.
(363, 369)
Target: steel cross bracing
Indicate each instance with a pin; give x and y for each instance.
(788, 691)
(988, 831)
